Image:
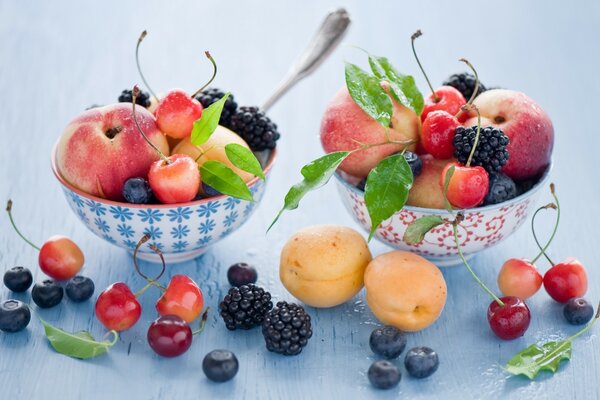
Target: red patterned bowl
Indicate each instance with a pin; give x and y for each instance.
(483, 227)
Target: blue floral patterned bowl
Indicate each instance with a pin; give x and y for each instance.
(181, 231)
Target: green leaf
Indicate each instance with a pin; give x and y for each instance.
(366, 91)
(205, 126)
(316, 174)
(223, 179)
(386, 190)
(416, 231)
(532, 360)
(80, 345)
(447, 178)
(244, 159)
(403, 87)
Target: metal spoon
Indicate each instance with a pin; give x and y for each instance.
(323, 43)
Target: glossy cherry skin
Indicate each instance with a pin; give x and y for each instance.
(512, 320)
(169, 336)
(448, 99)
(519, 278)
(176, 114)
(467, 187)
(566, 280)
(437, 134)
(175, 182)
(182, 298)
(117, 308)
(60, 258)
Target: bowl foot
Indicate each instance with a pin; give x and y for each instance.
(172, 258)
(450, 261)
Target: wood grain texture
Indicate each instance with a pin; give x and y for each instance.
(56, 58)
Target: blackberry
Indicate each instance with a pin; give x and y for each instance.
(143, 99)
(501, 188)
(491, 151)
(245, 307)
(286, 329)
(255, 128)
(209, 96)
(464, 83)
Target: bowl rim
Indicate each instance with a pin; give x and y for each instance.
(69, 186)
(423, 210)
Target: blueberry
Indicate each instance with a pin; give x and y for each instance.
(47, 294)
(361, 185)
(241, 274)
(220, 365)
(18, 279)
(384, 375)
(388, 341)
(578, 311)
(421, 362)
(501, 188)
(137, 191)
(414, 161)
(14, 316)
(79, 288)
(209, 191)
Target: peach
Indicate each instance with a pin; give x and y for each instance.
(214, 149)
(345, 125)
(324, 265)
(102, 148)
(525, 123)
(405, 290)
(426, 191)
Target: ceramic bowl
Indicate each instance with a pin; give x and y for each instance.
(181, 231)
(482, 228)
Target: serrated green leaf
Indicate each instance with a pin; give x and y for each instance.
(316, 174)
(222, 178)
(386, 190)
(244, 159)
(447, 178)
(205, 126)
(366, 91)
(416, 231)
(403, 87)
(80, 345)
(532, 360)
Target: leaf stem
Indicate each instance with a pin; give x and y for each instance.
(212, 78)
(557, 207)
(115, 338)
(139, 68)
(12, 222)
(464, 260)
(414, 36)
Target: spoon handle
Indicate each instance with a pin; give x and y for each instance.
(323, 43)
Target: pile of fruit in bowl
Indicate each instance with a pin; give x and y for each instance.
(187, 170)
(390, 150)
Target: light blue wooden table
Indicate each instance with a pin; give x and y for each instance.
(56, 58)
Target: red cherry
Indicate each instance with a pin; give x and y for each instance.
(468, 185)
(175, 181)
(182, 298)
(437, 134)
(117, 308)
(60, 258)
(176, 113)
(169, 336)
(511, 320)
(444, 98)
(566, 280)
(519, 278)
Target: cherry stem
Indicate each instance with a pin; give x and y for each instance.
(134, 94)
(202, 322)
(212, 78)
(457, 221)
(151, 282)
(366, 146)
(414, 36)
(12, 222)
(556, 206)
(476, 89)
(139, 68)
(467, 107)
(588, 326)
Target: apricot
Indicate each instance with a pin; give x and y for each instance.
(324, 265)
(405, 290)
